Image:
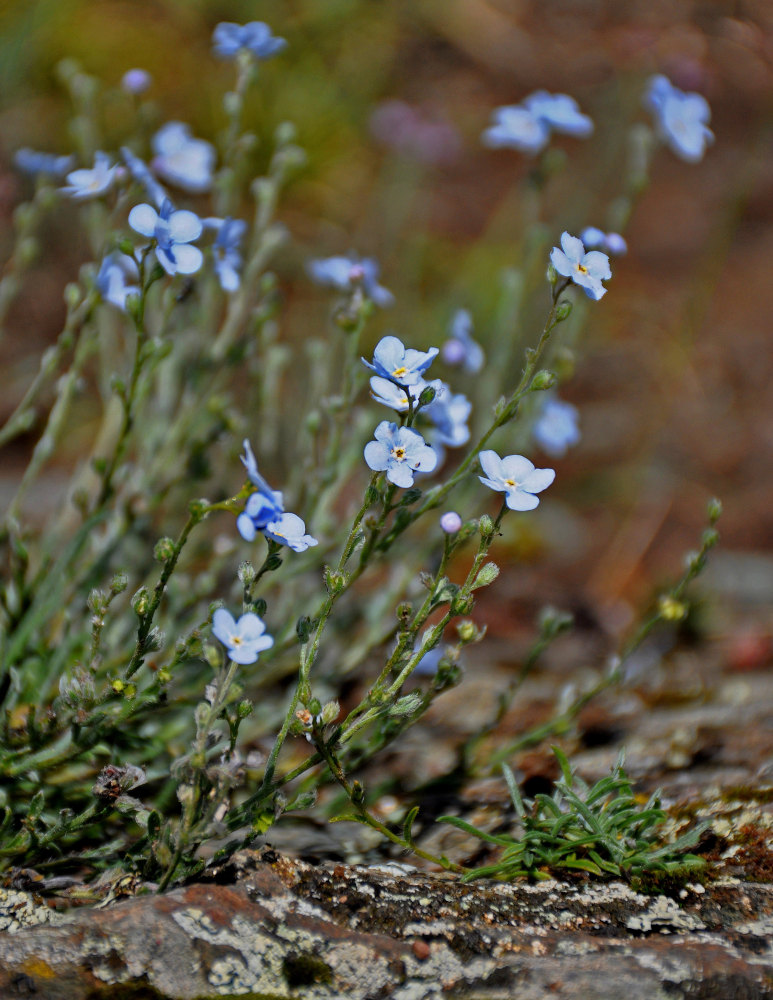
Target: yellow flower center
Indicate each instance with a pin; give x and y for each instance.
(399, 372)
(510, 482)
(582, 268)
(399, 454)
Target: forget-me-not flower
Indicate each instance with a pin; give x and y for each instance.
(116, 270)
(91, 183)
(515, 127)
(228, 259)
(33, 162)
(555, 429)
(264, 512)
(587, 270)
(289, 529)
(345, 272)
(141, 173)
(172, 231)
(228, 38)
(183, 160)
(527, 126)
(560, 113)
(681, 119)
(396, 397)
(404, 365)
(244, 639)
(516, 477)
(460, 348)
(596, 239)
(400, 452)
(449, 413)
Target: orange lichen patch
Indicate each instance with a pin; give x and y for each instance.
(38, 969)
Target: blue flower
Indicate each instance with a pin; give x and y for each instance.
(681, 119)
(114, 272)
(597, 239)
(173, 231)
(264, 512)
(136, 81)
(140, 173)
(32, 162)
(289, 529)
(515, 127)
(399, 451)
(587, 270)
(560, 113)
(527, 126)
(404, 365)
(244, 639)
(345, 273)
(182, 160)
(228, 38)
(395, 396)
(84, 183)
(556, 428)
(460, 348)
(516, 477)
(450, 413)
(228, 260)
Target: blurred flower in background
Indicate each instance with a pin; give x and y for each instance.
(409, 131)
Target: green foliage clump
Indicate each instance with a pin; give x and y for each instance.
(598, 829)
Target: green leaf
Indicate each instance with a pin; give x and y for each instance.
(408, 825)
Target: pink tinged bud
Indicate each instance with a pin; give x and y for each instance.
(450, 522)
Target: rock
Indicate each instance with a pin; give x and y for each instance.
(266, 926)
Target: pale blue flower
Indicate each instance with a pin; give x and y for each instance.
(556, 428)
(597, 239)
(460, 348)
(681, 119)
(515, 127)
(527, 126)
(228, 38)
(140, 173)
(400, 452)
(182, 160)
(32, 162)
(244, 639)
(172, 231)
(396, 397)
(91, 183)
(264, 512)
(289, 529)
(560, 113)
(404, 365)
(587, 270)
(516, 477)
(449, 413)
(450, 522)
(136, 81)
(115, 271)
(345, 273)
(228, 259)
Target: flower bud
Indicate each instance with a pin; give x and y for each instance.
(163, 550)
(450, 522)
(543, 380)
(136, 81)
(563, 310)
(485, 526)
(141, 602)
(246, 573)
(714, 510)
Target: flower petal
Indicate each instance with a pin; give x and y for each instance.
(189, 259)
(184, 226)
(143, 219)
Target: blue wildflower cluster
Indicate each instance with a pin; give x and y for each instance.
(264, 512)
(527, 126)
(139, 185)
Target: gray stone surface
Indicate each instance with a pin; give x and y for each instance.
(266, 926)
